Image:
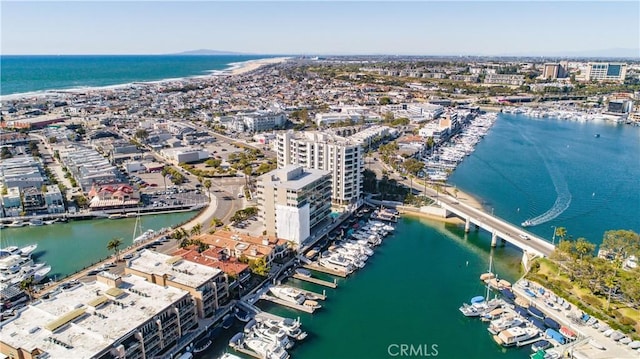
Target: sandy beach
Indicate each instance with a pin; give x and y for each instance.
(251, 65)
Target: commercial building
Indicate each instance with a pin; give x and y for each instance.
(113, 317)
(554, 71)
(208, 286)
(607, 71)
(292, 200)
(11, 202)
(22, 172)
(88, 167)
(259, 121)
(504, 79)
(342, 157)
(184, 154)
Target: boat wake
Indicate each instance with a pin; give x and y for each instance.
(563, 199)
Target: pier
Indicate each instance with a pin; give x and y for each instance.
(316, 281)
(303, 308)
(321, 269)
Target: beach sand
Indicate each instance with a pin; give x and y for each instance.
(248, 66)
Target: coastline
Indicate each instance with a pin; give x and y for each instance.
(232, 69)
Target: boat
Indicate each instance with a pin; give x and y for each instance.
(555, 335)
(634, 344)
(36, 222)
(527, 223)
(144, 236)
(227, 321)
(290, 326)
(303, 272)
(202, 345)
(596, 344)
(597, 135)
(540, 345)
(51, 221)
(549, 322)
(27, 250)
(481, 305)
(266, 350)
(337, 263)
(516, 335)
(16, 224)
(498, 325)
(7, 251)
(187, 355)
(116, 216)
(273, 335)
(236, 340)
(536, 313)
(229, 356)
(289, 294)
(242, 315)
(568, 333)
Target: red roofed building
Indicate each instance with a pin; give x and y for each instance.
(216, 258)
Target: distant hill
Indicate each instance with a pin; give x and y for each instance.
(209, 52)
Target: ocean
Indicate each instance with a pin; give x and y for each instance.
(27, 74)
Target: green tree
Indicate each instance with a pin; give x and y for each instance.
(216, 222)
(259, 266)
(195, 230)
(584, 248)
(5, 153)
(621, 243)
(561, 233)
(114, 245)
(142, 134)
(385, 100)
(207, 185)
(27, 285)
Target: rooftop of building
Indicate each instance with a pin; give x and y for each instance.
(248, 245)
(88, 317)
(178, 270)
(291, 177)
(212, 258)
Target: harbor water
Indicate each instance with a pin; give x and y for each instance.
(70, 247)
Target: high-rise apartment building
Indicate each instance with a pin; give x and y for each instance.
(342, 157)
(292, 200)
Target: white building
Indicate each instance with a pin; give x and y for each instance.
(53, 199)
(184, 154)
(607, 71)
(11, 202)
(259, 121)
(292, 200)
(113, 317)
(323, 151)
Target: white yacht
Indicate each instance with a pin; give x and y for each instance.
(36, 222)
(288, 294)
(14, 263)
(290, 326)
(358, 247)
(337, 262)
(516, 335)
(144, 236)
(498, 325)
(7, 251)
(273, 335)
(27, 250)
(266, 350)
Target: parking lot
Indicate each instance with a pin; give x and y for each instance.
(174, 196)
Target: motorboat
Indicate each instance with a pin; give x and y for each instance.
(536, 313)
(570, 334)
(144, 236)
(516, 335)
(7, 251)
(289, 294)
(227, 321)
(202, 345)
(290, 326)
(303, 272)
(541, 345)
(242, 315)
(36, 222)
(498, 325)
(236, 340)
(549, 322)
(229, 356)
(27, 250)
(16, 224)
(596, 344)
(337, 262)
(527, 223)
(266, 350)
(273, 335)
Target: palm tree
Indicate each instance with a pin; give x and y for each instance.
(165, 172)
(114, 245)
(27, 286)
(207, 185)
(196, 229)
(561, 232)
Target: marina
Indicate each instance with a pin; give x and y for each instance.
(321, 282)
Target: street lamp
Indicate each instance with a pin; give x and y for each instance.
(553, 239)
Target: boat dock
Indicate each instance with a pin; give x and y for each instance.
(269, 316)
(321, 269)
(530, 341)
(316, 281)
(304, 308)
(309, 294)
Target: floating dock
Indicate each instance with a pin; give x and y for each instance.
(316, 281)
(269, 316)
(321, 269)
(304, 308)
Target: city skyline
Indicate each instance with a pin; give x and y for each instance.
(316, 28)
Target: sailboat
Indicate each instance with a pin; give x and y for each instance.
(479, 304)
(137, 229)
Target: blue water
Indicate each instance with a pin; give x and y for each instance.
(557, 173)
(22, 74)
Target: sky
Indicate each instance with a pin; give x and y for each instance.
(315, 28)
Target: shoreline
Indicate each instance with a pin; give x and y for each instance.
(232, 69)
